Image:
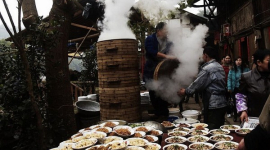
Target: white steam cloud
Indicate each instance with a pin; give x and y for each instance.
(115, 21)
(188, 50)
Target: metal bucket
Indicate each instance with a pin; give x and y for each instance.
(88, 108)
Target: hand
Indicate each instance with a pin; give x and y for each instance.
(241, 145)
(181, 92)
(170, 57)
(244, 116)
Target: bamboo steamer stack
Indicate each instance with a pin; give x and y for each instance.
(119, 90)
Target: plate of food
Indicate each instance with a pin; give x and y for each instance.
(185, 125)
(139, 134)
(201, 146)
(198, 138)
(94, 126)
(76, 135)
(145, 129)
(177, 133)
(231, 128)
(77, 139)
(205, 129)
(85, 130)
(109, 139)
(123, 131)
(156, 132)
(85, 143)
(182, 129)
(137, 141)
(110, 124)
(243, 131)
(220, 137)
(103, 129)
(94, 134)
(198, 125)
(113, 134)
(66, 146)
(134, 148)
(151, 138)
(168, 124)
(175, 139)
(219, 131)
(100, 147)
(175, 146)
(226, 145)
(133, 125)
(116, 145)
(198, 132)
(152, 146)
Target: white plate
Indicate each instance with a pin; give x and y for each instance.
(109, 139)
(76, 135)
(141, 133)
(200, 143)
(216, 145)
(134, 148)
(152, 146)
(146, 127)
(181, 129)
(95, 126)
(205, 129)
(181, 145)
(153, 131)
(85, 130)
(172, 125)
(198, 132)
(66, 145)
(217, 130)
(211, 138)
(198, 136)
(77, 139)
(94, 134)
(123, 144)
(116, 124)
(108, 128)
(92, 141)
(123, 127)
(97, 146)
(142, 142)
(232, 130)
(152, 136)
(177, 133)
(237, 131)
(199, 124)
(174, 137)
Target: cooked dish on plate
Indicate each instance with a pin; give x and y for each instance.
(175, 139)
(167, 124)
(181, 129)
(219, 131)
(142, 128)
(198, 132)
(123, 131)
(84, 143)
(134, 148)
(198, 138)
(119, 144)
(111, 139)
(199, 124)
(110, 124)
(226, 145)
(137, 142)
(152, 146)
(100, 147)
(156, 132)
(183, 125)
(77, 139)
(104, 129)
(177, 133)
(201, 146)
(175, 147)
(230, 127)
(221, 138)
(243, 131)
(95, 134)
(151, 138)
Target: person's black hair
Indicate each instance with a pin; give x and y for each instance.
(243, 65)
(260, 55)
(160, 26)
(211, 52)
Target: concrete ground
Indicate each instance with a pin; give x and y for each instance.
(191, 105)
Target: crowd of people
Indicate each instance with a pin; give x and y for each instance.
(230, 86)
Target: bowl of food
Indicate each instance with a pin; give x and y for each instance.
(151, 138)
(243, 131)
(145, 129)
(66, 146)
(103, 129)
(168, 124)
(123, 131)
(175, 139)
(110, 124)
(177, 133)
(137, 142)
(109, 139)
(183, 125)
(119, 145)
(198, 132)
(198, 138)
(139, 134)
(77, 139)
(95, 126)
(198, 125)
(182, 129)
(201, 146)
(76, 135)
(220, 137)
(85, 143)
(100, 147)
(226, 145)
(219, 131)
(134, 148)
(133, 125)
(156, 132)
(94, 134)
(152, 146)
(175, 146)
(194, 114)
(205, 129)
(88, 129)
(231, 128)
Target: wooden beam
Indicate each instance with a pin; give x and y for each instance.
(84, 27)
(81, 38)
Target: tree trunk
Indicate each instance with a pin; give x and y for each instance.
(30, 13)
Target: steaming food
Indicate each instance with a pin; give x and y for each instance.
(85, 143)
(109, 124)
(111, 139)
(201, 146)
(175, 147)
(144, 129)
(155, 132)
(198, 138)
(226, 145)
(219, 131)
(152, 147)
(181, 129)
(167, 124)
(119, 144)
(137, 142)
(220, 138)
(198, 132)
(122, 131)
(177, 133)
(175, 139)
(149, 138)
(100, 147)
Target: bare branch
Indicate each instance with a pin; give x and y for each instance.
(19, 16)
(10, 17)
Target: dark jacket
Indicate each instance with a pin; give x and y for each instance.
(151, 47)
(255, 89)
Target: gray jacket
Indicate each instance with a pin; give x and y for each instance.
(211, 81)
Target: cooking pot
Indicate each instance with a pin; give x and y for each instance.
(88, 108)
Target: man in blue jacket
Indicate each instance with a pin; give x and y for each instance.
(157, 47)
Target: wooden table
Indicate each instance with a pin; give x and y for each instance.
(236, 138)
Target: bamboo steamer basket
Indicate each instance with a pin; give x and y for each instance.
(122, 64)
(165, 68)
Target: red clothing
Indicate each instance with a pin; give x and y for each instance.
(226, 69)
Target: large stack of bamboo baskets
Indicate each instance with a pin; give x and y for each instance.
(118, 75)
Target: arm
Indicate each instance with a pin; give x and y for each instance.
(241, 99)
(229, 81)
(200, 83)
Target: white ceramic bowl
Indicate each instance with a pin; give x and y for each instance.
(97, 146)
(119, 145)
(85, 144)
(108, 129)
(109, 139)
(115, 129)
(237, 131)
(201, 143)
(177, 133)
(141, 133)
(155, 139)
(76, 135)
(181, 129)
(134, 148)
(194, 125)
(198, 132)
(221, 142)
(219, 131)
(181, 145)
(183, 139)
(231, 128)
(152, 146)
(114, 122)
(148, 129)
(191, 114)
(94, 134)
(205, 129)
(221, 135)
(184, 125)
(137, 142)
(153, 132)
(205, 138)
